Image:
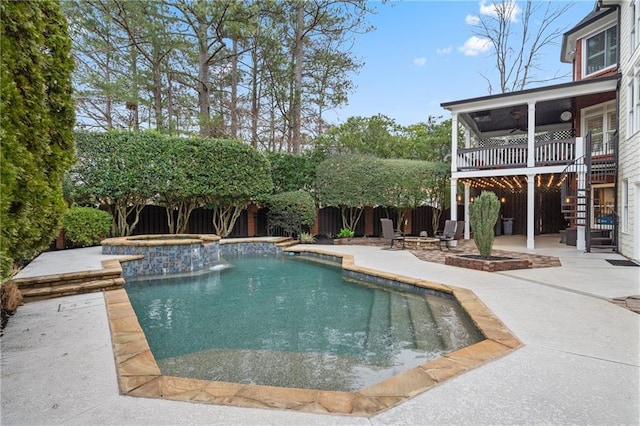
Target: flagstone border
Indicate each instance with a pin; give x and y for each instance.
(139, 374)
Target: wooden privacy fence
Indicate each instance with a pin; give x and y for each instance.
(253, 222)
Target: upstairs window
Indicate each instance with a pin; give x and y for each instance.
(601, 121)
(602, 50)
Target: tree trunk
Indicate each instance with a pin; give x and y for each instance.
(297, 78)
(233, 108)
(204, 102)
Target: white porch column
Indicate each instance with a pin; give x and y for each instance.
(531, 218)
(467, 190)
(531, 143)
(454, 201)
(581, 213)
(467, 137)
(454, 142)
(580, 150)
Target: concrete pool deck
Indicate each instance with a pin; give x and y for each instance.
(580, 362)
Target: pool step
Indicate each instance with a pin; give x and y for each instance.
(400, 320)
(377, 333)
(50, 286)
(426, 332)
(454, 331)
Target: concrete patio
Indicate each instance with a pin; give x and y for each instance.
(580, 363)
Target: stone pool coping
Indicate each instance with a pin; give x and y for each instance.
(160, 240)
(139, 375)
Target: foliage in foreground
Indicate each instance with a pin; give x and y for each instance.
(483, 214)
(86, 226)
(37, 114)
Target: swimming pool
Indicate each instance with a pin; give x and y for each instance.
(281, 321)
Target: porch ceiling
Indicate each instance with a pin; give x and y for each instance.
(507, 113)
(514, 119)
(543, 182)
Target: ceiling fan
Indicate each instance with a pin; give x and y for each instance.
(517, 115)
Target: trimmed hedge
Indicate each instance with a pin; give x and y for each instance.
(85, 226)
(293, 211)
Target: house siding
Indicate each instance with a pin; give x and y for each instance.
(629, 144)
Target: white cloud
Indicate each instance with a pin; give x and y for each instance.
(472, 20)
(510, 9)
(475, 45)
(444, 51)
(420, 62)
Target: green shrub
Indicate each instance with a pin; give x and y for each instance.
(84, 226)
(483, 214)
(307, 238)
(292, 211)
(345, 233)
(37, 116)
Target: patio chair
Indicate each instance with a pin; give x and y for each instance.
(389, 234)
(448, 234)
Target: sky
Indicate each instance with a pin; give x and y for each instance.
(422, 53)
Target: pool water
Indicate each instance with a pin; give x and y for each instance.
(282, 321)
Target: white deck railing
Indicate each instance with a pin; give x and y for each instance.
(546, 153)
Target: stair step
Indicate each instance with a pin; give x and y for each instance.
(289, 243)
(379, 321)
(400, 320)
(426, 331)
(68, 278)
(60, 289)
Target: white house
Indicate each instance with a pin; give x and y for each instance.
(628, 190)
(563, 156)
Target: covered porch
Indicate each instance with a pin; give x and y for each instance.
(515, 141)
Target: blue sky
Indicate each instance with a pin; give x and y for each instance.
(415, 59)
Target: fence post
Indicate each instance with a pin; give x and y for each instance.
(368, 221)
(252, 223)
(408, 223)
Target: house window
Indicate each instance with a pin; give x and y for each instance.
(602, 123)
(602, 50)
(624, 222)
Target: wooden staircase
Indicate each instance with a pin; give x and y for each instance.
(50, 286)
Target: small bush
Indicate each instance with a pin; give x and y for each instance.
(84, 226)
(292, 211)
(345, 233)
(10, 299)
(307, 238)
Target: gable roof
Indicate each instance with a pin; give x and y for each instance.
(570, 37)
